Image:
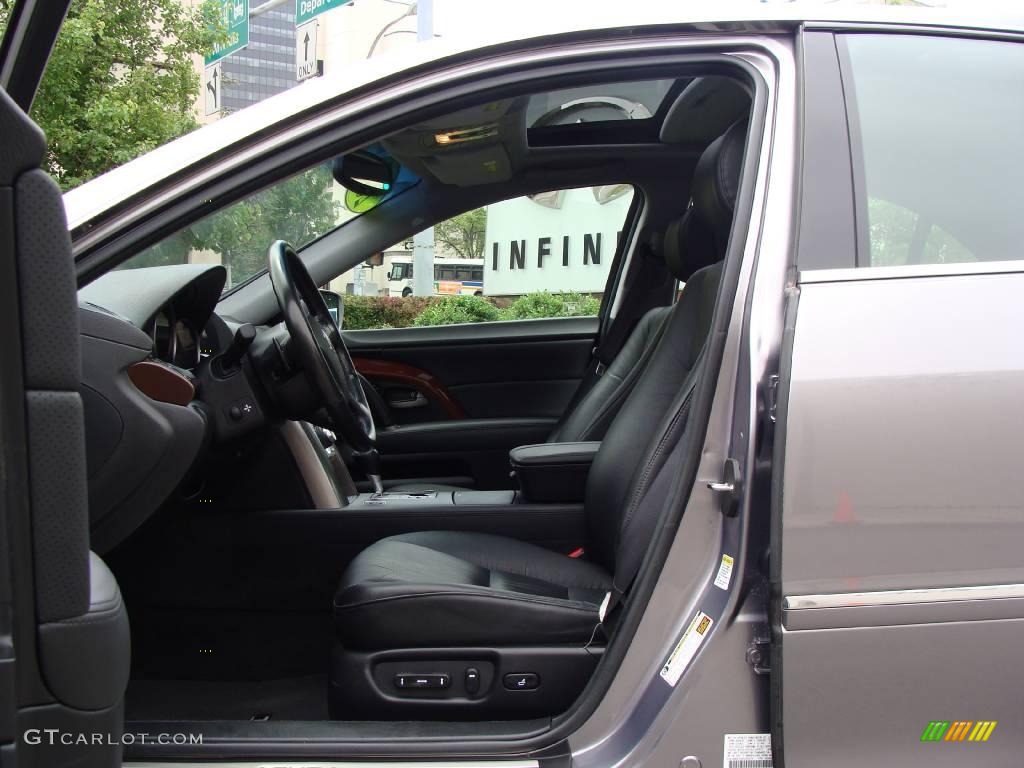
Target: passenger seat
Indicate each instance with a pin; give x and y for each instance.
(440, 603)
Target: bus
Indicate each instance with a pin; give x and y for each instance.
(452, 277)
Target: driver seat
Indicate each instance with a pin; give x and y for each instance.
(431, 622)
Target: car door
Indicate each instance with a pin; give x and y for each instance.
(63, 628)
(896, 561)
(476, 375)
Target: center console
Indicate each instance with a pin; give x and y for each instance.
(431, 498)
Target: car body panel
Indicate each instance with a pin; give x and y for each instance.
(899, 507)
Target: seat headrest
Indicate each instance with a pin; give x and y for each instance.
(699, 238)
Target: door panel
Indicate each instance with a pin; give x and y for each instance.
(899, 512)
(519, 376)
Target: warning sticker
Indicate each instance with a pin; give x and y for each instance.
(686, 648)
(747, 750)
(724, 572)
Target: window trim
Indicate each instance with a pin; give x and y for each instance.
(861, 220)
(848, 274)
(826, 185)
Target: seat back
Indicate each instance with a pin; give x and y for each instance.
(72, 643)
(590, 416)
(647, 428)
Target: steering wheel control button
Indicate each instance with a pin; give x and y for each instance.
(521, 681)
(421, 682)
(472, 681)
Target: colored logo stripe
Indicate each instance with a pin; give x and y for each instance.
(982, 730)
(958, 730)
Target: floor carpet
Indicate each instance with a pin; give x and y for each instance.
(296, 698)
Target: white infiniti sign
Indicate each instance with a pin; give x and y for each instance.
(532, 247)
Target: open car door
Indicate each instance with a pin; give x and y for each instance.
(64, 646)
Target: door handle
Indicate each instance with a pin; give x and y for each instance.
(416, 401)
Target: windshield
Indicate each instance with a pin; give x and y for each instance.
(297, 210)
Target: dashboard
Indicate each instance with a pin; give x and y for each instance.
(144, 337)
(175, 339)
(173, 305)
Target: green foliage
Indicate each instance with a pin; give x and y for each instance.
(297, 210)
(464, 234)
(382, 311)
(449, 310)
(394, 312)
(544, 304)
(120, 82)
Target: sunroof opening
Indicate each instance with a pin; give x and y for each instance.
(606, 102)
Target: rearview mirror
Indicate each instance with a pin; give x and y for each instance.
(364, 173)
(334, 305)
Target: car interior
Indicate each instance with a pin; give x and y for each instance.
(289, 544)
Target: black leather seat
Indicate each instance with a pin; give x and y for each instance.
(589, 417)
(433, 589)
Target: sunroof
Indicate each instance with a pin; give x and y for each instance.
(606, 102)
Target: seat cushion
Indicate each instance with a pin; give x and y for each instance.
(448, 588)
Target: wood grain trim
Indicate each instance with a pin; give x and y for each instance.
(159, 382)
(416, 378)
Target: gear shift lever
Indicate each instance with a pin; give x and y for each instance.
(370, 462)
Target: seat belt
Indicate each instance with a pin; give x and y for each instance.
(645, 289)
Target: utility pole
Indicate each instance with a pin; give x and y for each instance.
(423, 242)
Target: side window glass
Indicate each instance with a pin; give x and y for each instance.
(541, 256)
(936, 146)
(899, 236)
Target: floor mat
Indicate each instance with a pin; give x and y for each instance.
(295, 698)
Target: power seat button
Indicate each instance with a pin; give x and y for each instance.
(521, 681)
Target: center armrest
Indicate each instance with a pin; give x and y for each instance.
(462, 434)
(553, 472)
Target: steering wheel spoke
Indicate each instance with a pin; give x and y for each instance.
(321, 348)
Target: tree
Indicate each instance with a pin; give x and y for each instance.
(120, 82)
(464, 234)
(297, 210)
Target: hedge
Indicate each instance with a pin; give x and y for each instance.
(366, 312)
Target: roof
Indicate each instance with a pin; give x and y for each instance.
(569, 19)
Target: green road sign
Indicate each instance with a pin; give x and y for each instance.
(310, 9)
(235, 14)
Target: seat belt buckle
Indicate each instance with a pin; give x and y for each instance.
(600, 367)
(602, 611)
(578, 552)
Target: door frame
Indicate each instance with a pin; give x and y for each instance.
(231, 172)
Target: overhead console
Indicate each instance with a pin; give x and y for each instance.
(480, 145)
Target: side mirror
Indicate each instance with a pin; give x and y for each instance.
(334, 305)
(364, 173)
(389, 275)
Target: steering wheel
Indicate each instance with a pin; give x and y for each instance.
(321, 349)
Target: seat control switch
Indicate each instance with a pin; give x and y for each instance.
(421, 682)
(521, 681)
(472, 681)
